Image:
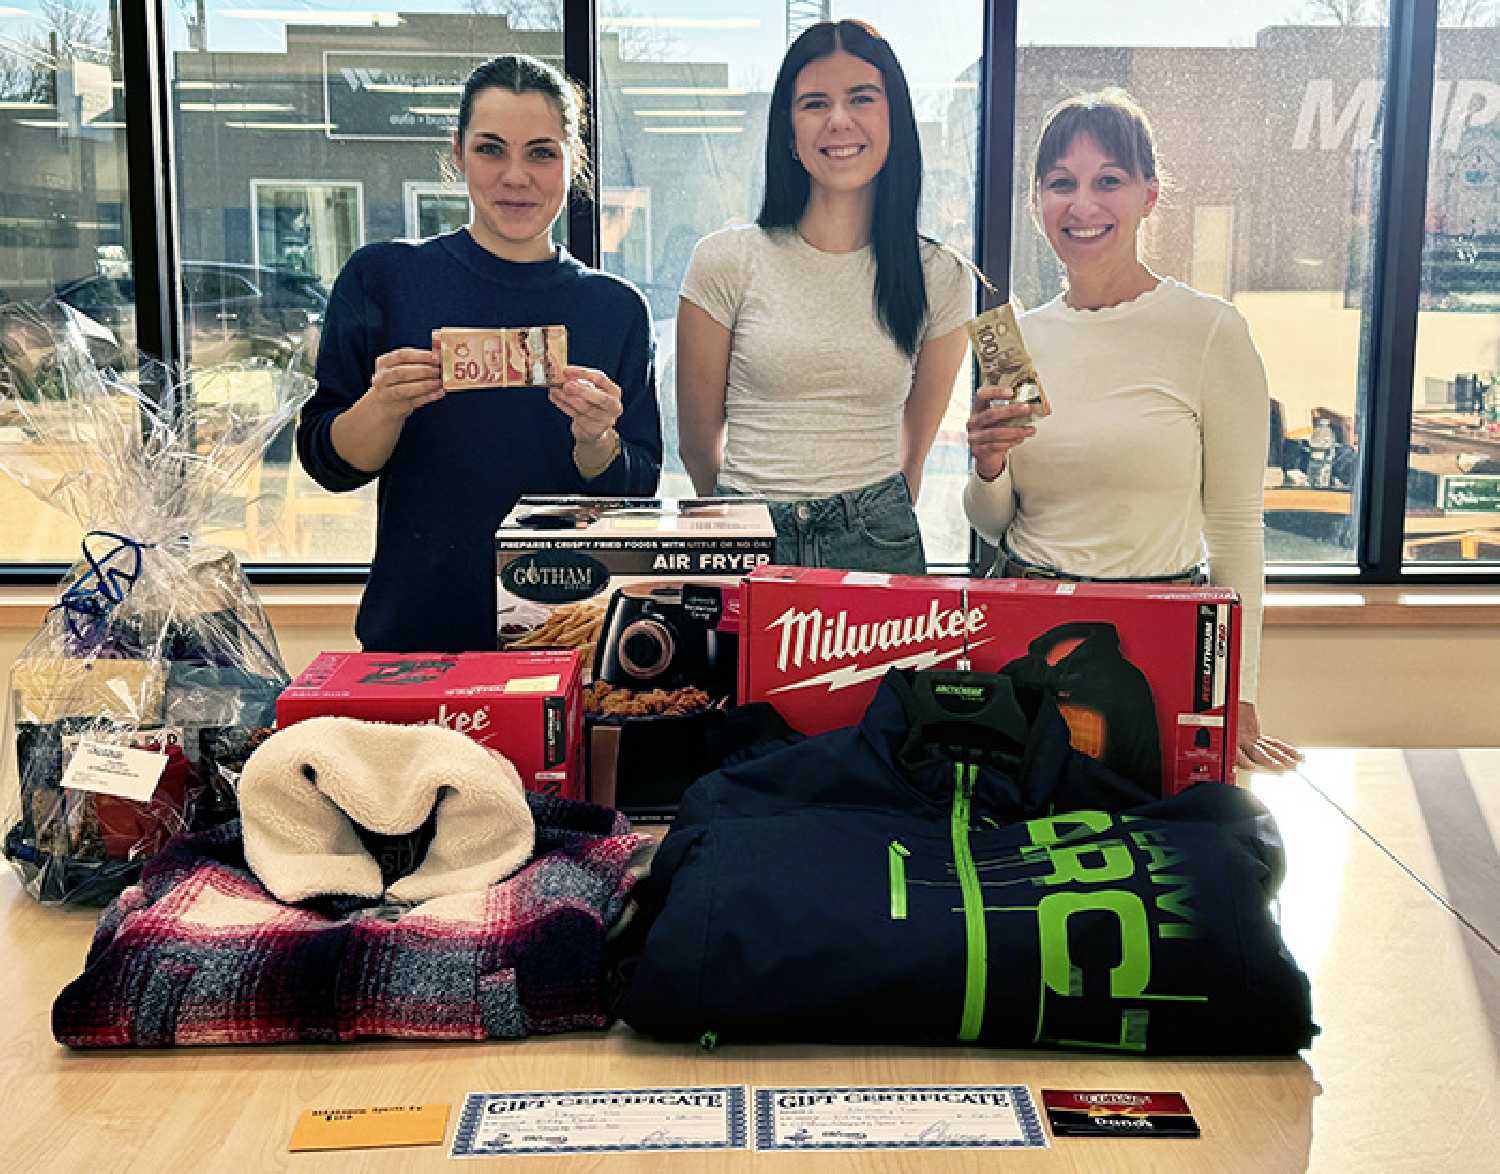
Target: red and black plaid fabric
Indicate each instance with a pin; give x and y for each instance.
(199, 953)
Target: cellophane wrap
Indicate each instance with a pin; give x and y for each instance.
(157, 642)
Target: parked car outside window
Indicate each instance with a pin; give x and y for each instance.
(231, 312)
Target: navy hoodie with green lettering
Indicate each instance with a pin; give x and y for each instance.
(863, 886)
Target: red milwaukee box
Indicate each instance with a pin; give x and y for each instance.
(1147, 676)
(524, 705)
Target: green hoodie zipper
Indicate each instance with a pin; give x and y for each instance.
(897, 853)
(976, 946)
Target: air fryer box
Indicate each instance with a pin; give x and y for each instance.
(1147, 675)
(558, 559)
(524, 705)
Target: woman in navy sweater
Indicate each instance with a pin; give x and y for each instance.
(450, 466)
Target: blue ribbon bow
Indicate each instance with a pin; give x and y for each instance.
(104, 585)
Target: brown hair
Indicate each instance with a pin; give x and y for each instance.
(521, 74)
(1110, 117)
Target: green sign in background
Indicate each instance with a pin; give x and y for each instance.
(1471, 495)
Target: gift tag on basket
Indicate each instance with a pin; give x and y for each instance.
(110, 768)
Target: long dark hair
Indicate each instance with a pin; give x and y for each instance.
(900, 288)
(521, 74)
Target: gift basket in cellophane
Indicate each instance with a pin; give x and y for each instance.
(145, 686)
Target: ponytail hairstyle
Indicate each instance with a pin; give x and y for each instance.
(521, 74)
(900, 287)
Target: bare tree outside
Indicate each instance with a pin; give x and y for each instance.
(81, 28)
(1451, 13)
(524, 14)
(25, 71)
(1468, 13)
(642, 43)
(73, 28)
(1344, 12)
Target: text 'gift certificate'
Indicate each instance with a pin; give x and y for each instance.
(897, 1117)
(600, 1121)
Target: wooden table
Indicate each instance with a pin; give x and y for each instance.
(1392, 905)
(1452, 434)
(1306, 500)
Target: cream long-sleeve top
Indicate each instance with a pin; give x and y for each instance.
(1154, 455)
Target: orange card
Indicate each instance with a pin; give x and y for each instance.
(370, 1128)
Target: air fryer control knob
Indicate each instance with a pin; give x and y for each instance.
(646, 648)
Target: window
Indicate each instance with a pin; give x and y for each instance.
(1267, 132)
(434, 208)
(64, 211)
(682, 122)
(1453, 483)
(625, 232)
(307, 228)
(1212, 260)
(302, 132)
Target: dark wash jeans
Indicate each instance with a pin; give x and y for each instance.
(869, 529)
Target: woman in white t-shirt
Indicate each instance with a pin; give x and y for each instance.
(817, 348)
(1150, 465)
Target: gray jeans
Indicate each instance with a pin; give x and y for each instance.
(869, 529)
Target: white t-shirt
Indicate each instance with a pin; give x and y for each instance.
(816, 386)
(1155, 453)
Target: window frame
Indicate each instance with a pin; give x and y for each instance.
(412, 191)
(1388, 346)
(259, 185)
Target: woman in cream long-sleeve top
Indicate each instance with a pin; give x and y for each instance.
(1150, 465)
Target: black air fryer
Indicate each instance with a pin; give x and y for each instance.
(666, 636)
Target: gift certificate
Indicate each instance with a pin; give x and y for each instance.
(595, 1121)
(914, 1117)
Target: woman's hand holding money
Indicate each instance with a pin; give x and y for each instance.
(592, 400)
(405, 379)
(996, 425)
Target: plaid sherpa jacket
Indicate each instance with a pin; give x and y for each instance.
(199, 953)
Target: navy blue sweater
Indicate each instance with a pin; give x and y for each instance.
(866, 885)
(462, 462)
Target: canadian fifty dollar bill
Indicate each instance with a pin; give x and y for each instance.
(472, 357)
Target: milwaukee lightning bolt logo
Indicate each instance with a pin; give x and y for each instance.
(812, 638)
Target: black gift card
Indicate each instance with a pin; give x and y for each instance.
(1118, 1114)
